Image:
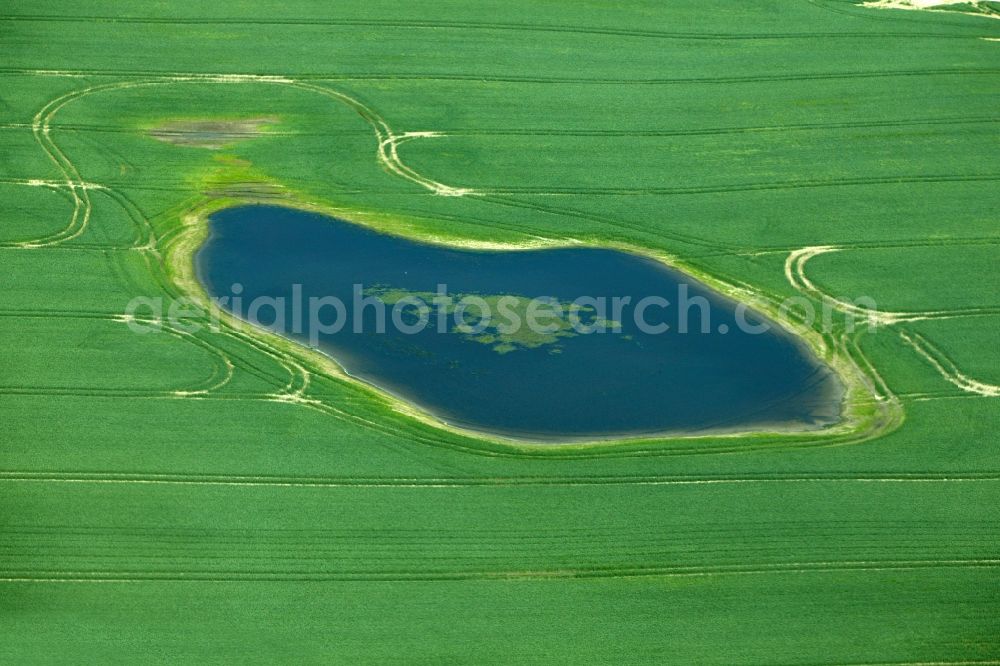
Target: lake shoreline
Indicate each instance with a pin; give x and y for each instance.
(863, 415)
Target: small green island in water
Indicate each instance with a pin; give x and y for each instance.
(500, 321)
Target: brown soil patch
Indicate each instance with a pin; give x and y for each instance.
(212, 134)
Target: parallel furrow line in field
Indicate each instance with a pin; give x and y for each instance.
(65, 314)
(164, 394)
(611, 133)
(550, 208)
(761, 78)
(766, 536)
(254, 555)
(773, 545)
(79, 247)
(470, 25)
(676, 531)
(713, 131)
(893, 244)
(975, 662)
(458, 482)
(484, 78)
(59, 575)
(739, 187)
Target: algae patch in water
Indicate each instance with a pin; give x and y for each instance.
(499, 320)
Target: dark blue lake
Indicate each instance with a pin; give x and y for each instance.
(585, 370)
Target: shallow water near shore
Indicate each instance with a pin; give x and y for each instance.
(593, 373)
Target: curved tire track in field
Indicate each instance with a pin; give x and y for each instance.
(947, 368)
(795, 274)
(222, 371)
(387, 155)
(299, 377)
(299, 374)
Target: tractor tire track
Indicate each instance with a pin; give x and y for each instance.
(947, 368)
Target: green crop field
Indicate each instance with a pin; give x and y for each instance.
(224, 496)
